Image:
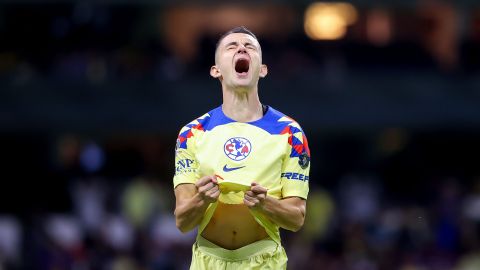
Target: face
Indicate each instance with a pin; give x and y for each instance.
(238, 62)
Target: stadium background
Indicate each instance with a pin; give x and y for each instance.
(93, 95)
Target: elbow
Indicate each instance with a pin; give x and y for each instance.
(182, 226)
(298, 223)
(300, 220)
(297, 226)
(183, 229)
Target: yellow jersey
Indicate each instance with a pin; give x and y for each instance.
(272, 151)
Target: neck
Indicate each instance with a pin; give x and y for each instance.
(242, 105)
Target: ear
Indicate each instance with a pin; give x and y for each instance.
(263, 71)
(215, 72)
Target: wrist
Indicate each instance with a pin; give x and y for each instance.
(262, 206)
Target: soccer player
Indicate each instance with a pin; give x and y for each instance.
(242, 169)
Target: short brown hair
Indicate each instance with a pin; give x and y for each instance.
(238, 29)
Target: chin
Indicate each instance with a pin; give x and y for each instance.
(243, 85)
(244, 80)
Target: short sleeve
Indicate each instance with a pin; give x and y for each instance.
(186, 165)
(296, 165)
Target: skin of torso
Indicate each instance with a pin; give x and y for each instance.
(232, 226)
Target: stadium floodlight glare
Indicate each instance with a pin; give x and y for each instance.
(328, 21)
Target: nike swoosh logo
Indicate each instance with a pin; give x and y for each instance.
(225, 169)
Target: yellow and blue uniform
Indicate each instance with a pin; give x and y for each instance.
(272, 151)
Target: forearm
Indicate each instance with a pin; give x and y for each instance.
(284, 213)
(193, 200)
(190, 213)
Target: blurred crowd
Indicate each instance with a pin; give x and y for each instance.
(79, 194)
(99, 43)
(386, 203)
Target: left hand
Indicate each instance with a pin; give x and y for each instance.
(255, 196)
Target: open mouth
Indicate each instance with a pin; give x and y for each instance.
(242, 66)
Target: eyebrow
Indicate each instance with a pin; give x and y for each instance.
(231, 43)
(236, 43)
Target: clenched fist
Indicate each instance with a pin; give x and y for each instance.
(207, 188)
(255, 196)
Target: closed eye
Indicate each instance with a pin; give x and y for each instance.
(231, 45)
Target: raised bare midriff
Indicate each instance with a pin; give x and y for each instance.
(232, 226)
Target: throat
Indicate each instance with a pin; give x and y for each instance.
(245, 112)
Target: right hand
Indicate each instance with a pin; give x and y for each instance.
(208, 189)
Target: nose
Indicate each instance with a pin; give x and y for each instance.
(241, 49)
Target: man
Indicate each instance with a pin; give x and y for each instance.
(242, 169)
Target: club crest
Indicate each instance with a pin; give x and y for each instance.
(237, 148)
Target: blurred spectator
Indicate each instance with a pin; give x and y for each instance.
(359, 197)
(89, 200)
(117, 233)
(140, 202)
(65, 248)
(11, 237)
